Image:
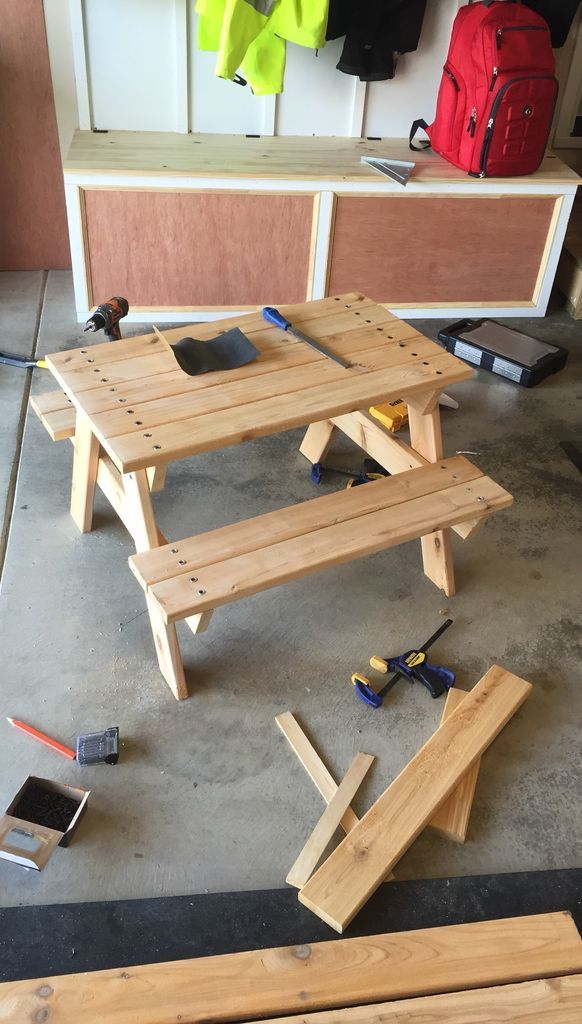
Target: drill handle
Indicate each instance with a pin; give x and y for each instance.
(435, 678)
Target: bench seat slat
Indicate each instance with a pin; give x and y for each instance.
(56, 413)
(204, 588)
(152, 567)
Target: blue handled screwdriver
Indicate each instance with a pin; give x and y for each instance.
(273, 316)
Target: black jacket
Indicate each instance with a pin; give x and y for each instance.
(559, 15)
(375, 31)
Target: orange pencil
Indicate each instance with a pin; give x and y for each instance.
(54, 744)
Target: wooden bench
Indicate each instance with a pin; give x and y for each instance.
(58, 416)
(56, 412)
(190, 578)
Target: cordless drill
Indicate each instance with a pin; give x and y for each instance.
(107, 317)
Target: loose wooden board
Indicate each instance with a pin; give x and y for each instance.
(298, 979)
(325, 829)
(452, 818)
(314, 766)
(358, 865)
(546, 1001)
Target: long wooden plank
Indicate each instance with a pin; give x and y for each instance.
(325, 829)
(389, 450)
(93, 373)
(285, 523)
(284, 157)
(282, 382)
(452, 818)
(327, 316)
(297, 979)
(314, 766)
(357, 866)
(243, 575)
(231, 426)
(149, 382)
(545, 1001)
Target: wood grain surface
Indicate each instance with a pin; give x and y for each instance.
(314, 766)
(33, 221)
(439, 249)
(198, 249)
(452, 818)
(231, 156)
(186, 415)
(357, 866)
(324, 831)
(546, 1001)
(297, 979)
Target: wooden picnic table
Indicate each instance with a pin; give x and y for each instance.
(137, 411)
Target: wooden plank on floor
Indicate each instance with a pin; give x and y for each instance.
(545, 1001)
(298, 979)
(314, 766)
(243, 575)
(356, 868)
(452, 818)
(325, 829)
(284, 524)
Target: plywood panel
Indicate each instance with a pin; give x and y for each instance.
(414, 249)
(198, 248)
(33, 222)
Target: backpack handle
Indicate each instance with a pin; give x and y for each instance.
(423, 144)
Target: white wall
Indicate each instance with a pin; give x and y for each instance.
(60, 47)
(137, 68)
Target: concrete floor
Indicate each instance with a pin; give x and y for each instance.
(207, 795)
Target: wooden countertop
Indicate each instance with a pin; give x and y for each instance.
(278, 157)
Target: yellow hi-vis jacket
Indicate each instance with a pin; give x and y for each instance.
(251, 34)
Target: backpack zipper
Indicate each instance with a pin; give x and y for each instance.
(517, 28)
(493, 79)
(491, 122)
(451, 76)
(472, 122)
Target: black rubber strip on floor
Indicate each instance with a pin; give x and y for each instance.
(74, 937)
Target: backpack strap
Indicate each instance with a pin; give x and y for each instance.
(423, 144)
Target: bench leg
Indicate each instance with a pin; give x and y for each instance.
(85, 464)
(426, 439)
(142, 525)
(315, 444)
(168, 651)
(156, 477)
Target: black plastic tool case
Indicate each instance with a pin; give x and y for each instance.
(503, 350)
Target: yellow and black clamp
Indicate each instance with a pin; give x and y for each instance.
(414, 665)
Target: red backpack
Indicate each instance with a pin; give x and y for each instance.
(498, 91)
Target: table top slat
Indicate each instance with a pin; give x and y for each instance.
(134, 387)
(197, 434)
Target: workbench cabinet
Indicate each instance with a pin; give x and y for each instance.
(191, 227)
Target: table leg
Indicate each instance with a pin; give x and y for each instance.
(317, 440)
(156, 477)
(85, 463)
(142, 523)
(426, 439)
